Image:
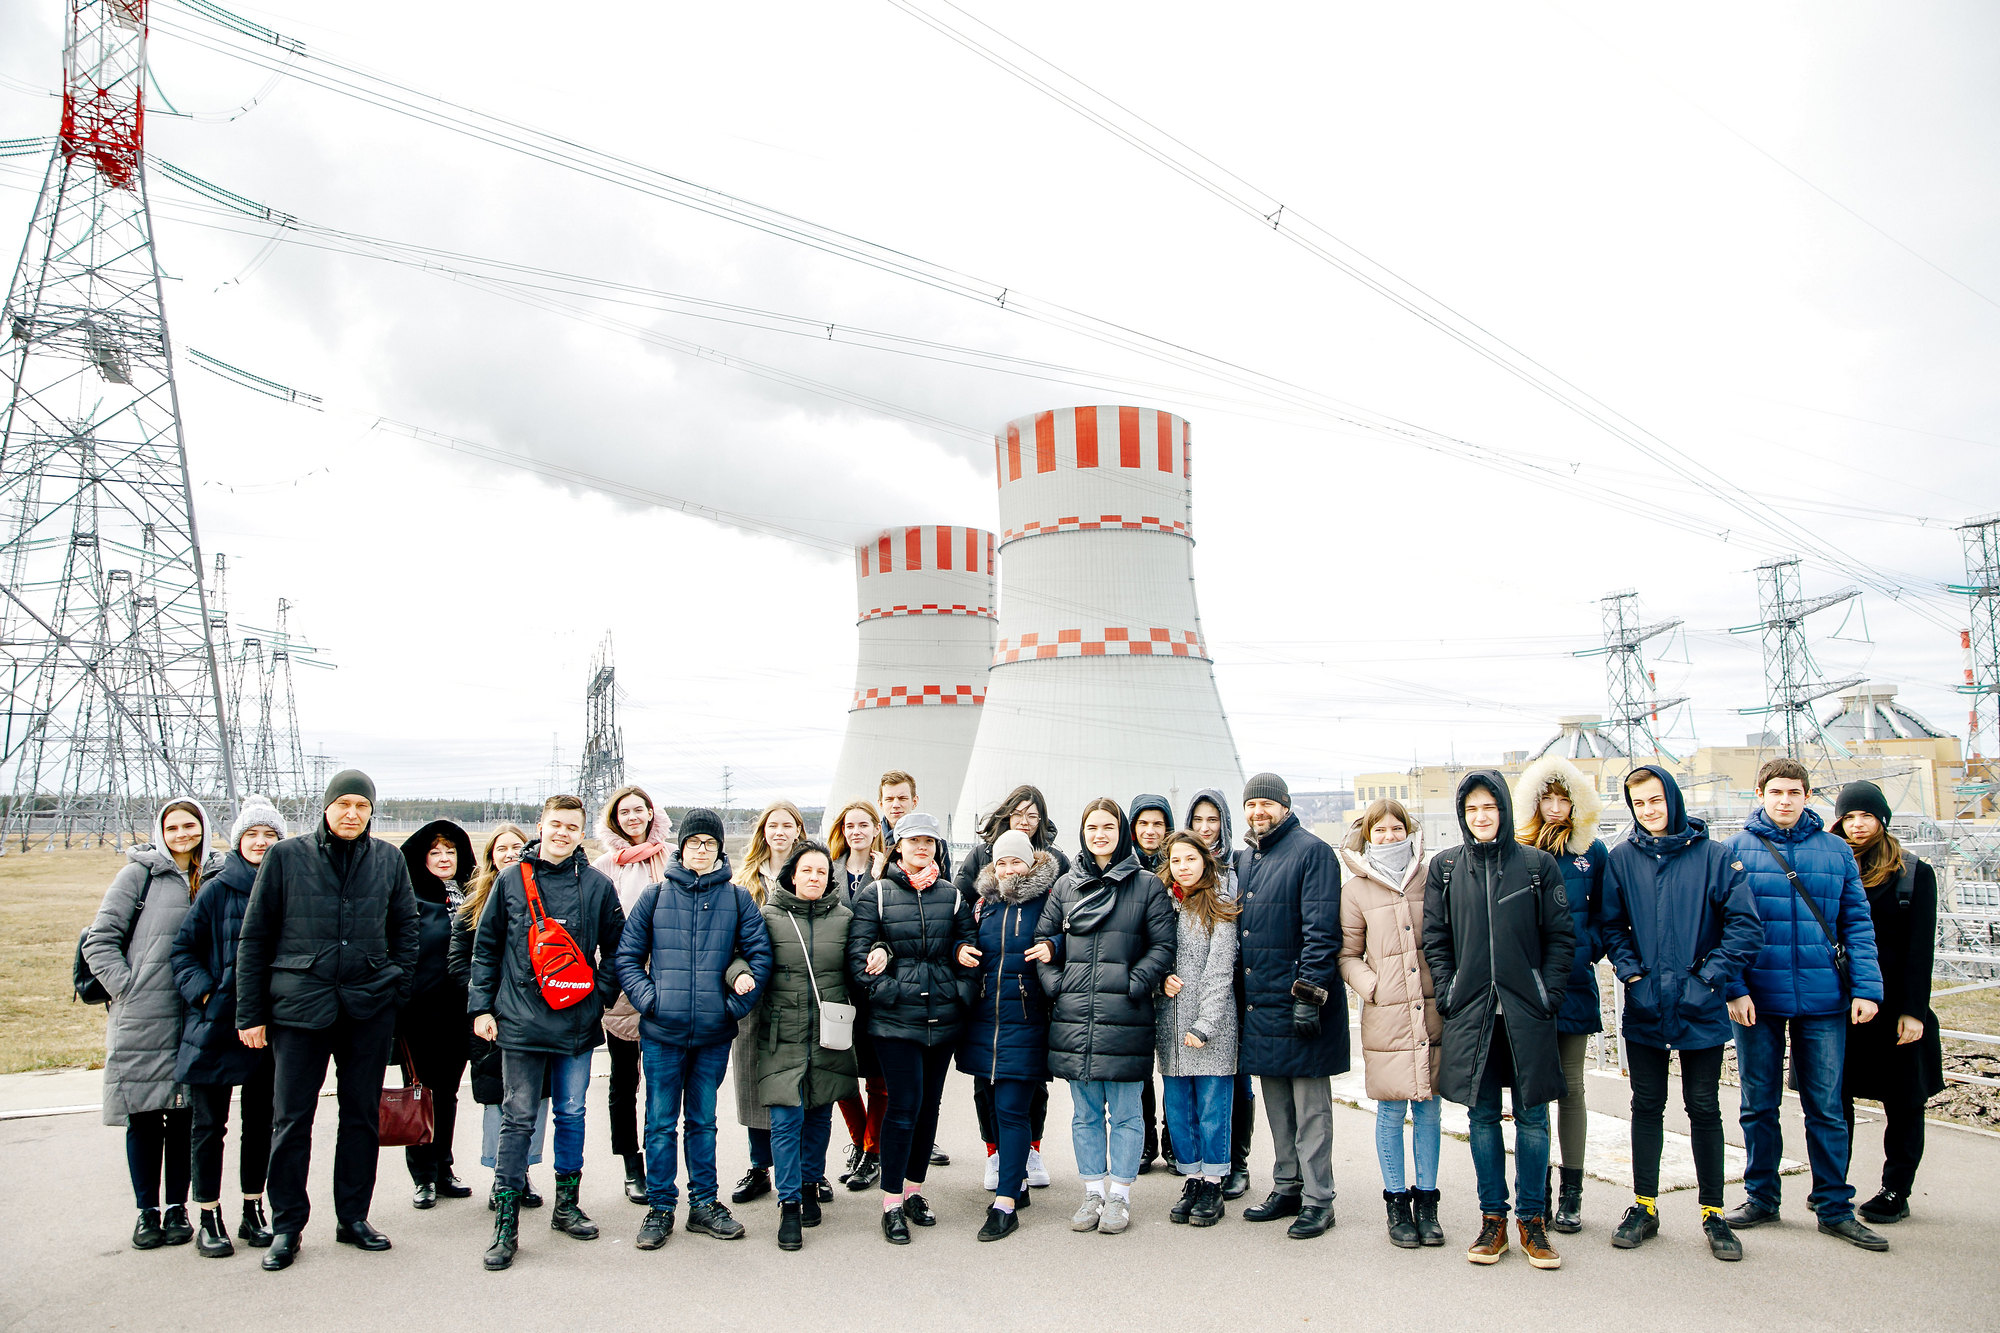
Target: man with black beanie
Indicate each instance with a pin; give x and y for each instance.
(327, 955)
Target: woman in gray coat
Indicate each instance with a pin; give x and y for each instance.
(130, 950)
(1195, 1027)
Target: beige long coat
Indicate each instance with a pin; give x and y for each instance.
(1382, 958)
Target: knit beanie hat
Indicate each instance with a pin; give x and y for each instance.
(257, 810)
(1014, 843)
(1268, 787)
(697, 823)
(1864, 796)
(349, 782)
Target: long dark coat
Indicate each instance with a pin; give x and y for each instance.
(1905, 938)
(1288, 884)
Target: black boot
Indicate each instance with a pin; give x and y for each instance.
(790, 1235)
(809, 1214)
(1243, 1121)
(529, 1199)
(635, 1178)
(506, 1230)
(255, 1229)
(1424, 1212)
(867, 1174)
(1402, 1223)
(212, 1241)
(450, 1186)
(1190, 1191)
(854, 1156)
(146, 1231)
(567, 1215)
(756, 1183)
(175, 1229)
(1568, 1217)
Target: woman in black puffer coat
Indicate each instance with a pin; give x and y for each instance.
(431, 1027)
(1106, 943)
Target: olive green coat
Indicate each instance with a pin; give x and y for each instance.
(790, 1060)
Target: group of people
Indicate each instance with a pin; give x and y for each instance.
(856, 973)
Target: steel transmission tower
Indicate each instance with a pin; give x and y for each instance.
(1628, 685)
(1792, 679)
(603, 769)
(113, 688)
(264, 713)
(1981, 640)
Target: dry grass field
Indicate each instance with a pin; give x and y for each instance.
(45, 899)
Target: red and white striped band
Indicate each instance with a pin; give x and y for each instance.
(927, 609)
(910, 696)
(1110, 642)
(1102, 523)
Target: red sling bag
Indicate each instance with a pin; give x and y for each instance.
(559, 966)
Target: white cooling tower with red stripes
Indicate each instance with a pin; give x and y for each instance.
(1101, 682)
(924, 598)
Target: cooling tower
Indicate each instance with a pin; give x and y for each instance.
(1101, 682)
(924, 598)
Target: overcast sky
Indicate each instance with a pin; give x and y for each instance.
(1762, 232)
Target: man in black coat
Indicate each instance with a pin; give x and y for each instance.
(1499, 938)
(327, 955)
(1294, 1039)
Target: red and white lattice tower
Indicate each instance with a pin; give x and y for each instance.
(924, 597)
(1101, 681)
(113, 694)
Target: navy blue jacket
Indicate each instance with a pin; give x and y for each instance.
(680, 940)
(204, 962)
(1288, 886)
(1680, 926)
(1007, 1030)
(1583, 883)
(1793, 975)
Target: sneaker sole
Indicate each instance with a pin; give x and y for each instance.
(1091, 1225)
(1477, 1258)
(1727, 1256)
(1544, 1263)
(718, 1235)
(1204, 1221)
(650, 1245)
(1111, 1231)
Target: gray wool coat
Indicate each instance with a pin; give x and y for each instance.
(1206, 965)
(751, 1113)
(143, 1036)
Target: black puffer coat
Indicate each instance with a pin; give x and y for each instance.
(1113, 934)
(585, 903)
(922, 995)
(1499, 938)
(317, 943)
(482, 1057)
(1288, 886)
(204, 960)
(1905, 940)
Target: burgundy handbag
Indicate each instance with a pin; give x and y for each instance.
(407, 1115)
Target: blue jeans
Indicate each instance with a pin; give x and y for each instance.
(523, 1075)
(1106, 1148)
(1198, 1122)
(489, 1135)
(1428, 1116)
(1489, 1147)
(1819, 1054)
(798, 1147)
(677, 1078)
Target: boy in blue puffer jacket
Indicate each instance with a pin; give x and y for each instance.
(1796, 990)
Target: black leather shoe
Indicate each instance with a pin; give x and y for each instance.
(1237, 1183)
(756, 1183)
(1851, 1230)
(146, 1231)
(894, 1229)
(998, 1225)
(822, 1191)
(212, 1240)
(867, 1173)
(284, 1249)
(1751, 1214)
(918, 1213)
(255, 1228)
(1185, 1204)
(175, 1229)
(635, 1179)
(360, 1235)
(529, 1199)
(1275, 1207)
(939, 1157)
(451, 1187)
(1888, 1206)
(854, 1156)
(1208, 1208)
(1313, 1220)
(424, 1196)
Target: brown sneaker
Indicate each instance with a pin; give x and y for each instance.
(1535, 1243)
(1492, 1242)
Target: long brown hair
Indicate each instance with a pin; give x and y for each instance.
(610, 816)
(1880, 858)
(750, 874)
(1384, 808)
(1204, 902)
(475, 893)
(194, 863)
(836, 840)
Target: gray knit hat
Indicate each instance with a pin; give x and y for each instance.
(1269, 787)
(1014, 843)
(256, 810)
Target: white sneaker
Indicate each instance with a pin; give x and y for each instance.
(993, 1171)
(1086, 1217)
(1038, 1175)
(1117, 1216)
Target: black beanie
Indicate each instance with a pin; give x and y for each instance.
(1268, 787)
(349, 782)
(1865, 796)
(697, 822)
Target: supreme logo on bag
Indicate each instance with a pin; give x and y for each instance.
(560, 968)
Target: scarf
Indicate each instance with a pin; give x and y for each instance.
(653, 852)
(922, 879)
(1390, 859)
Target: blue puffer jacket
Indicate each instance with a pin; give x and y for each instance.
(680, 940)
(1793, 976)
(1007, 1031)
(204, 963)
(1680, 926)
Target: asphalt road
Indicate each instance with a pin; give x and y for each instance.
(67, 1216)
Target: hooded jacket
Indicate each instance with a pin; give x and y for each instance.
(331, 930)
(1149, 861)
(1582, 859)
(1288, 885)
(503, 976)
(204, 962)
(633, 878)
(1499, 936)
(436, 902)
(1382, 958)
(1007, 1030)
(808, 950)
(1112, 934)
(142, 1035)
(923, 994)
(1680, 926)
(1793, 975)
(680, 941)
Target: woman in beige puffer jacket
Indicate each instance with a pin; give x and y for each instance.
(1382, 958)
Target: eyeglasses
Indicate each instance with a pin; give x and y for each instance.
(703, 844)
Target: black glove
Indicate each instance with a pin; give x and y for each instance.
(1305, 1020)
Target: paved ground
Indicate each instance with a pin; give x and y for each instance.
(67, 1216)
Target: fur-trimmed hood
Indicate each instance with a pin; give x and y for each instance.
(1586, 806)
(1041, 877)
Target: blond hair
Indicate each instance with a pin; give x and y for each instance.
(750, 875)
